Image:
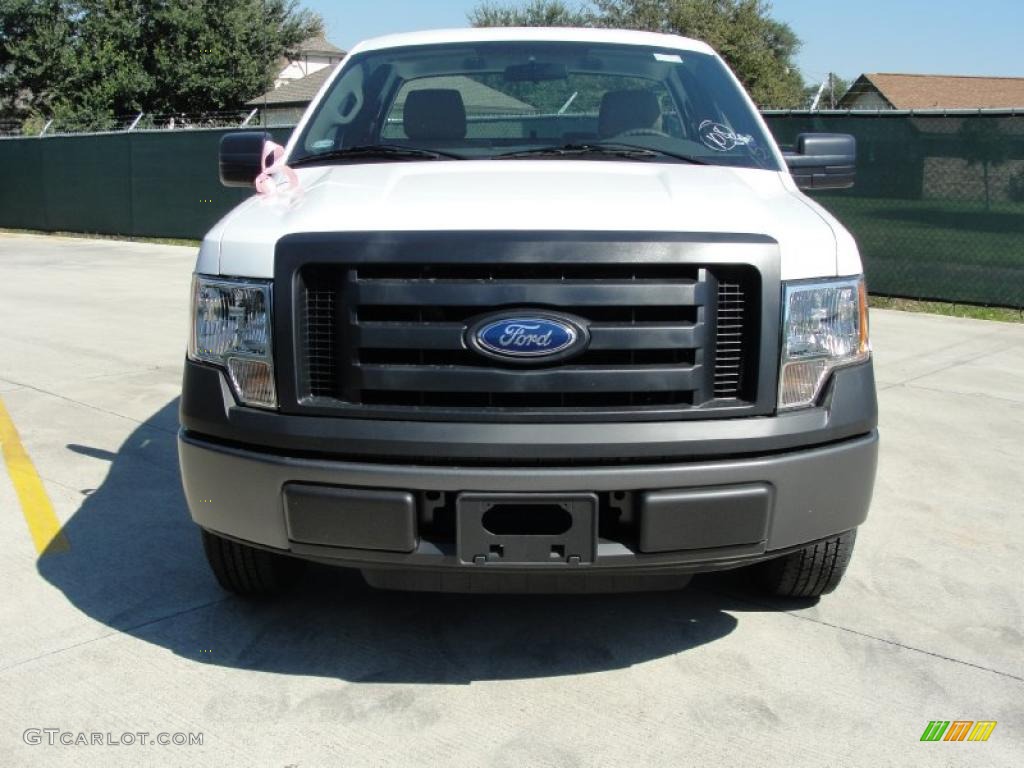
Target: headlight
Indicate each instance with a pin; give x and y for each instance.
(825, 326)
(231, 327)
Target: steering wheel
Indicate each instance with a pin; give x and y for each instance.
(644, 132)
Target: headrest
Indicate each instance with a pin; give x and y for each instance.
(627, 110)
(435, 113)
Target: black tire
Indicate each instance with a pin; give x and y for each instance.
(809, 572)
(248, 571)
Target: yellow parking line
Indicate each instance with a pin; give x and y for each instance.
(35, 504)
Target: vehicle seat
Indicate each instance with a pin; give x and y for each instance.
(435, 114)
(627, 111)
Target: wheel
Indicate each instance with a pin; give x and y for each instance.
(809, 572)
(248, 571)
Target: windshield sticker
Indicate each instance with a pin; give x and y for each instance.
(671, 58)
(722, 138)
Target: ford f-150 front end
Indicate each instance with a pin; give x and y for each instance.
(541, 309)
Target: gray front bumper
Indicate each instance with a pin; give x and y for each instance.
(815, 493)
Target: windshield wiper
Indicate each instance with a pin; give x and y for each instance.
(625, 151)
(395, 151)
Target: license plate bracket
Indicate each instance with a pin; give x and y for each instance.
(537, 529)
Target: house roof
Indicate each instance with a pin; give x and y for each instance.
(294, 92)
(319, 44)
(940, 91)
(478, 97)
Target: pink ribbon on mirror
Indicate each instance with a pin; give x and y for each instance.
(273, 163)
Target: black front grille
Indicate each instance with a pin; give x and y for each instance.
(664, 337)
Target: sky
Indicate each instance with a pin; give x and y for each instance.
(949, 37)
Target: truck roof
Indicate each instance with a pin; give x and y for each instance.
(533, 34)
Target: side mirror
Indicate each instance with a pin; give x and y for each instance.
(241, 157)
(823, 161)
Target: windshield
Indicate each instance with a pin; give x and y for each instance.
(535, 100)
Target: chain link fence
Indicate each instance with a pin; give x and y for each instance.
(938, 209)
(140, 121)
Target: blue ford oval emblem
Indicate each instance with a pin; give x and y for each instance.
(527, 336)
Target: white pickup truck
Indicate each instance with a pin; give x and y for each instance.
(531, 309)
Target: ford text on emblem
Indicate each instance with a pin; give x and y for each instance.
(526, 337)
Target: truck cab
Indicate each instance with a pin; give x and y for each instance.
(530, 310)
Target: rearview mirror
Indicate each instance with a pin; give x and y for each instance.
(241, 157)
(823, 161)
(535, 72)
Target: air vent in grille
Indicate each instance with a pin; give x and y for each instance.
(730, 336)
(319, 330)
(392, 336)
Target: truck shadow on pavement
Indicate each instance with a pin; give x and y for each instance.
(136, 565)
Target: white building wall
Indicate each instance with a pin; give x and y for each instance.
(869, 99)
(302, 67)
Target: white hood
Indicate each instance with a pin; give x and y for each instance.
(533, 195)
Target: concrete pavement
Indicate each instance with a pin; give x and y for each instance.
(127, 631)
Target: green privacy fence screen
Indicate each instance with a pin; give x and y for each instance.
(145, 184)
(938, 209)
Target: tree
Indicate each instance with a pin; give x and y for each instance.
(34, 52)
(110, 74)
(536, 13)
(759, 49)
(86, 61)
(220, 54)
